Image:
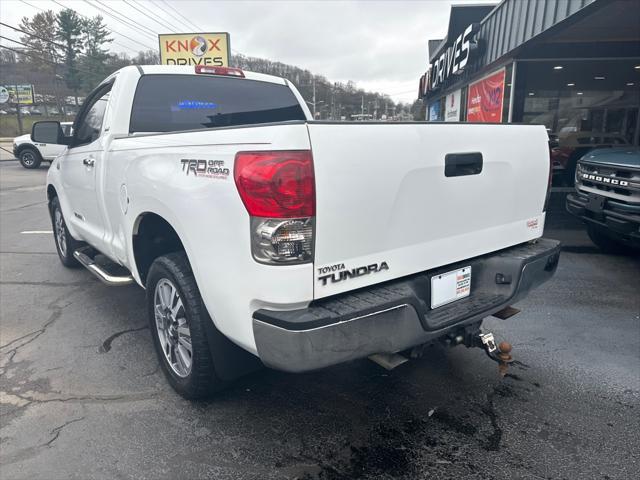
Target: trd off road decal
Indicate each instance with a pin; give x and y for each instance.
(205, 168)
(337, 273)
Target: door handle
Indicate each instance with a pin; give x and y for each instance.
(88, 162)
(461, 164)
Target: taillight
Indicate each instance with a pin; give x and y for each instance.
(227, 71)
(276, 184)
(278, 191)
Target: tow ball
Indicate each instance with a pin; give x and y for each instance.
(500, 354)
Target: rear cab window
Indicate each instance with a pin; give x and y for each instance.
(170, 103)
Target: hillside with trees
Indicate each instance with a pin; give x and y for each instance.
(65, 56)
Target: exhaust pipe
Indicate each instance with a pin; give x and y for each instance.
(388, 361)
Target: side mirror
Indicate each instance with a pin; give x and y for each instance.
(49, 132)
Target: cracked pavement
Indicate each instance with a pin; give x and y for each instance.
(81, 395)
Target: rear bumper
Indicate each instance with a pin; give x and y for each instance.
(617, 217)
(396, 315)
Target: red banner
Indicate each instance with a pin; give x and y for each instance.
(484, 102)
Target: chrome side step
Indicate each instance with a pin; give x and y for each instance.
(82, 255)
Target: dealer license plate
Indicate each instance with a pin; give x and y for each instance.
(451, 286)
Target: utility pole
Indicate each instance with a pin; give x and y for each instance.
(314, 97)
(333, 110)
(362, 107)
(18, 112)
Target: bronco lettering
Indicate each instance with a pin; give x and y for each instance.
(598, 178)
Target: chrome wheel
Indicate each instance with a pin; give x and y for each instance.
(61, 238)
(173, 330)
(28, 158)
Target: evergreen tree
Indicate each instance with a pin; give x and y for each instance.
(42, 49)
(67, 31)
(95, 51)
(40, 40)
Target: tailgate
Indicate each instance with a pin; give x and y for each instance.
(386, 208)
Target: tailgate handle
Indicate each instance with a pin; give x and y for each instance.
(461, 164)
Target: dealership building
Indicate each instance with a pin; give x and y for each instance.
(571, 65)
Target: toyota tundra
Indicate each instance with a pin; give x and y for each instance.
(263, 237)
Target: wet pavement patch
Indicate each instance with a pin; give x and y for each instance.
(106, 345)
(454, 423)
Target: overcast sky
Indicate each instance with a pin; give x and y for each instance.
(381, 45)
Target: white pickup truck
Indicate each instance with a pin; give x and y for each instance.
(264, 237)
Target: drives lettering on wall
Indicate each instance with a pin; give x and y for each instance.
(452, 61)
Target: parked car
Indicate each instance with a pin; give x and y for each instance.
(264, 237)
(571, 147)
(31, 154)
(607, 197)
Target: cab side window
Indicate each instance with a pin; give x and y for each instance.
(90, 123)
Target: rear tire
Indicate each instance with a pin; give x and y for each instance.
(605, 242)
(178, 321)
(65, 243)
(30, 158)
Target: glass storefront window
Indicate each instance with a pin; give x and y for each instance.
(584, 104)
(582, 96)
(572, 113)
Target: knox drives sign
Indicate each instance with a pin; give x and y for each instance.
(195, 49)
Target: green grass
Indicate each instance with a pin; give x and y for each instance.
(9, 124)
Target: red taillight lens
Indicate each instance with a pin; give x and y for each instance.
(211, 70)
(277, 184)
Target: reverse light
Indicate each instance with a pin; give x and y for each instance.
(227, 71)
(279, 241)
(278, 191)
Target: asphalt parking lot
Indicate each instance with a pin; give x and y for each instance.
(81, 394)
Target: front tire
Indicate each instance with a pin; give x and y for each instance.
(178, 321)
(30, 158)
(65, 243)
